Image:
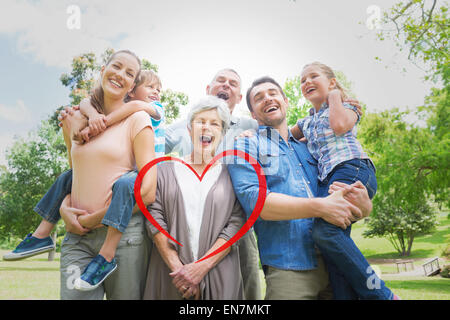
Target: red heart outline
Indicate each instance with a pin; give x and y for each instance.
(247, 225)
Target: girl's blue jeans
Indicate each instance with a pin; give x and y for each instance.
(119, 212)
(350, 274)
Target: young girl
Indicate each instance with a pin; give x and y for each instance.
(147, 89)
(331, 135)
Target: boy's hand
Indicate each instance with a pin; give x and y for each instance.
(97, 124)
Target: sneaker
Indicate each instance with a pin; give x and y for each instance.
(95, 273)
(29, 247)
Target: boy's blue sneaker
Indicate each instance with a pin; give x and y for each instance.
(29, 247)
(95, 273)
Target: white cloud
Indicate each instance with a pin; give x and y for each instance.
(190, 40)
(41, 27)
(17, 114)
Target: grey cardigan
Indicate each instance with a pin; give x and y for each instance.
(222, 218)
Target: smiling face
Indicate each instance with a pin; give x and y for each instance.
(118, 75)
(206, 132)
(315, 85)
(226, 85)
(269, 105)
(148, 91)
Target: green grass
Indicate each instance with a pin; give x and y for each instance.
(423, 247)
(37, 278)
(417, 288)
(32, 278)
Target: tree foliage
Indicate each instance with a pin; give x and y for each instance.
(406, 167)
(34, 164)
(422, 28)
(412, 161)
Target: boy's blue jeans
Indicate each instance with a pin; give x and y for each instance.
(119, 212)
(350, 274)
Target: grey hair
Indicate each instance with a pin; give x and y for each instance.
(207, 103)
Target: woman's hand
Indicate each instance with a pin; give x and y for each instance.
(187, 278)
(70, 216)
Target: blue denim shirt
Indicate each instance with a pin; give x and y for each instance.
(289, 169)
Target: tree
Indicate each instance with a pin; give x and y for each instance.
(33, 165)
(412, 161)
(401, 153)
(422, 28)
(172, 100)
(298, 105)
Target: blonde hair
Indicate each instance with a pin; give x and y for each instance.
(97, 94)
(145, 76)
(329, 73)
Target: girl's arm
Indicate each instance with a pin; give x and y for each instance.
(341, 119)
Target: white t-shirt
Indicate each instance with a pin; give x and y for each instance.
(194, 194)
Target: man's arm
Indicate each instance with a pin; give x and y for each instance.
(334, 209)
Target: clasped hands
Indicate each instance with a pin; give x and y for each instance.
(187, 279)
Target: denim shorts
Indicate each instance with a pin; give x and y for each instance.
(349, 172)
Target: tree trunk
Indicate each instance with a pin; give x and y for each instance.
(51, 254)
(410, 242)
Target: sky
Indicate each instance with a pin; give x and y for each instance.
(190, 41)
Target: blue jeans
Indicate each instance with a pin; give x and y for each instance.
(350, 274)
(48, 206)
(119, 211)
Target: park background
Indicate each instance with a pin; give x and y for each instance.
(391, 55)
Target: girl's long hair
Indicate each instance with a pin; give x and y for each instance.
(329, 73)
(97, 94)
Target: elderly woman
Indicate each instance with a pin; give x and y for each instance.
(201, 215)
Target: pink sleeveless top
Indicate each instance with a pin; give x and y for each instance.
(105, 158)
